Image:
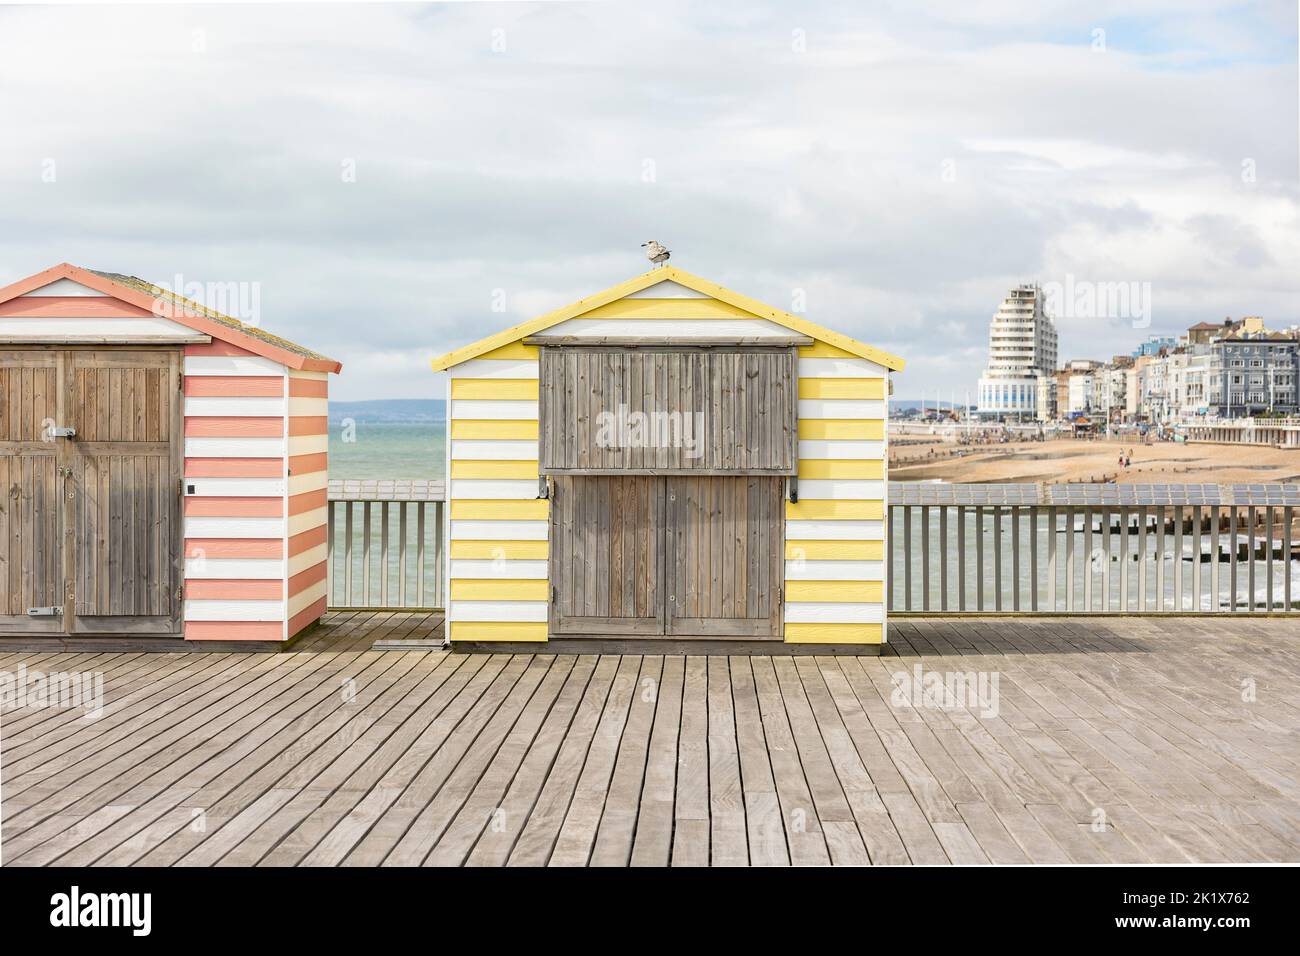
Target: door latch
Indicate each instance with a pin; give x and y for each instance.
(62, 431)
(45, 612)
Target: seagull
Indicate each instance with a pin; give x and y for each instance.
(655, 252)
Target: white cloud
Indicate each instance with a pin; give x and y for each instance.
(209, 141)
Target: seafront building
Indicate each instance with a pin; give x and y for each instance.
(1022, 359)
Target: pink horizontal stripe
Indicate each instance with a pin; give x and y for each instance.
(71, 307)
(233, 427)
(219, 507)
(234, 468)
(234, 386)
(233, 631)
(213, 589)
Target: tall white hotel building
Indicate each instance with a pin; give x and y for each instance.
(1020, 379)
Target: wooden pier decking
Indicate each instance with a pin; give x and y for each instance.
(1115, 740)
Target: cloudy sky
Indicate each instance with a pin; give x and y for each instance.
(387, 173)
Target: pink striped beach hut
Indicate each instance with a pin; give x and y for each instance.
(163, 468)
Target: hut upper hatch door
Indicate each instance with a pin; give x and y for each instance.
(648, 556)
(124, 500)
(31, 559)
(725, 556)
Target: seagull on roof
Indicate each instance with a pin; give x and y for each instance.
(656, 252)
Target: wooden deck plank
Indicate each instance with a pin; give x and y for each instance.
(1116, 740)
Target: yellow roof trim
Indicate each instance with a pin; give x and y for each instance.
(644, 281)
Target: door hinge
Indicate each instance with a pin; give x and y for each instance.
(180, 592)
(45, 612)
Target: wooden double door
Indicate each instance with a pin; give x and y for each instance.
(90, 519)
(676, 556)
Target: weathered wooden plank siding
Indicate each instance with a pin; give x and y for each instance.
(497, 526)
(307, 500)
(835, 534)
(679, 410)
(236, 506)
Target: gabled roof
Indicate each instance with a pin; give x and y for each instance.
(653, 277)
(168, 305)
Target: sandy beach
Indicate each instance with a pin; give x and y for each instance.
(913, 458)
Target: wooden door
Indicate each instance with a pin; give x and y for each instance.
(124, 501)
(31, 543)
(725, 554)
(607, 555)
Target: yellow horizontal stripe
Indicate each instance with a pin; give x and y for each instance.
(820, 349)
(527, 509)
(843, 429)
(492, 631)
(511, 429)
(504, 589)
(494, 469)
(813, 510)
(512, 350)
(859, 388)
(813, 468)
(499, 550)
(834, 633)
(500, 389)
(667, 309)
(817, 591)
(832, 551)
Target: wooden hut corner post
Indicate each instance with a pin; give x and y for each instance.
(666, 419)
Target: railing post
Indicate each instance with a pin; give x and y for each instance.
(1232, 558)
(943, 557)
(347, 554)
(383, 547)
(961, 557)
(331, 598)
(979, 557)
(1033, 559)
(1215, 518)
(401, 555)
(907, 559)
(1162, 516)
(365, 554)
(419, 552)
(1178, 558)
(1196, 558)
(1286, 559)
(1250, 555)
(1268, 554)
(997, 558)
(925, 557)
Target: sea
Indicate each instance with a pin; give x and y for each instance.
(388, 439)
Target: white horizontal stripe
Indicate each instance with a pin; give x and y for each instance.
(231, 365)
(312, 481)
(234, 569)
(495, 368)
(299, 405)
(307, 520)
(504, 569)
(834, 570)
(840, 408)
(309, 444)
(817, 448)
(676, 328)
(868, 530)
(306, 597)
(234, 447)
(493, 450)
(93, 329)
(499, 530)
(64, 287)
(839, 368)
(512, 611)
(832, 613)
(518, 490)
(255, 407)
(234, 527)
(840, 489)
(234, 487)
(304, 373)
(667, 289)
(490, 409)
(234, 610)
(308, 559)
